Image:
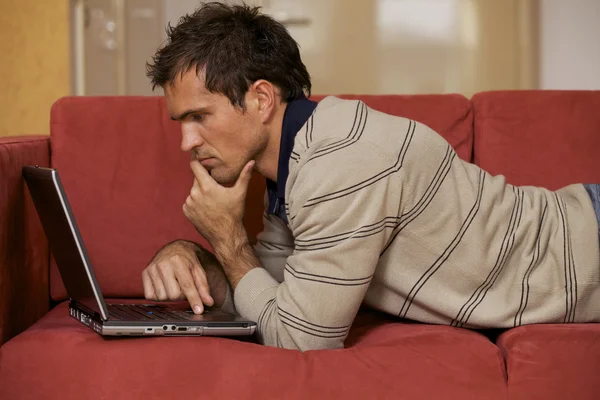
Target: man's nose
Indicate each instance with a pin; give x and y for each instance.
(190, 138)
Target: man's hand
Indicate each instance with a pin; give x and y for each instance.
(217, 211)
(175, 273)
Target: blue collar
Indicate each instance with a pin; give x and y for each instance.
(296, 114)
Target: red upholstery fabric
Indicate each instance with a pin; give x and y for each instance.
(550, 139)
(450, 115)
(58, 358)
(553, 361)
(126, 177)
(541, 138)
(23, 246)
(120, 162)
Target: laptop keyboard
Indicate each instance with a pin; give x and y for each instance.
(144, 312)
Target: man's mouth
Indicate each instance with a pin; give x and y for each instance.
(207, 161)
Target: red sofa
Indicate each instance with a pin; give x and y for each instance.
(126, 179)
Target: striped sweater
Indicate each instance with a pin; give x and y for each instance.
(381, 210)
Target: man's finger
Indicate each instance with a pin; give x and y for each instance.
(201, 174)
(202, 285)
(168, 278)
(245, 176)
(159, 287)
(149, 292)
(188, 287)
(195, 191)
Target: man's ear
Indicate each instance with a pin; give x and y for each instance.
(266, 97)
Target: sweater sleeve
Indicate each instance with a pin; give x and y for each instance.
(340, 217)
(274, 245)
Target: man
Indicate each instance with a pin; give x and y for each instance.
(361, 206)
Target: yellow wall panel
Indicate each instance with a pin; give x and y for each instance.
(34, 63)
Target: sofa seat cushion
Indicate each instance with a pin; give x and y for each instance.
(58, 358)
(552, 361)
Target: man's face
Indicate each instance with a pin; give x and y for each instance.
(222, 137)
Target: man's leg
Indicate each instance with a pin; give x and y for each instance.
(594, 192)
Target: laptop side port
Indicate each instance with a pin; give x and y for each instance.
(182, 329)
(85, 319)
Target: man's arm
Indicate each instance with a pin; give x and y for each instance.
(219, 286)
(185, 270)
(338, 239)
(325, 282)
(274, 244)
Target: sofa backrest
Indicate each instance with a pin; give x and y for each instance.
(450, 115)
(540, 138)
(127, 179)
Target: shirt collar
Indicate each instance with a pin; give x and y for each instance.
(296, 114)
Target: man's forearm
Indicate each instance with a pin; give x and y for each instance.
(214, 275)
(236, 256)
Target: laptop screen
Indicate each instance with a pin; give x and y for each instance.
(64, 239)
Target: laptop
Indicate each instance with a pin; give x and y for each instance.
(87, 303)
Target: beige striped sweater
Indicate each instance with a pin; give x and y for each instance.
(382, 211)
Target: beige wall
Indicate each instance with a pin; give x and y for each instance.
(507, 51)
(34, 63)
(570, 53)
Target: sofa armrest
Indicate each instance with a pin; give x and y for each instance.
(24, 257)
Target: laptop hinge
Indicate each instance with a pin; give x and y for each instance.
(94, 314)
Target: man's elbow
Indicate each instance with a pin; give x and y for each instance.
(302, 343)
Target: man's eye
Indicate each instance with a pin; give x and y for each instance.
(198, 117)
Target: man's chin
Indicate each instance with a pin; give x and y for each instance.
(223, 179)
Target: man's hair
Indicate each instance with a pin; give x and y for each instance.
(236, 45)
